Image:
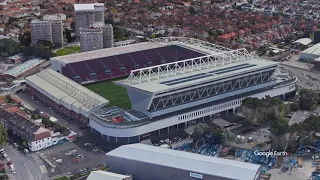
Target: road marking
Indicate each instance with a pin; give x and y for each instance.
(292, 117)
(28, 170)
(43, 169)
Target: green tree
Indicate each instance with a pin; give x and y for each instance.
(192, 11)
(308, 99)
(25, 38)
(280, 127)
(3, 136)
(8, 47)
(68, 35)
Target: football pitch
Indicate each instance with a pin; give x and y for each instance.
(117, 95)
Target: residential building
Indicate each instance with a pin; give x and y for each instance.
(87, 14)
(50, 29)
(56, 27)
(108, 41)
(91, 39)
(40, 30)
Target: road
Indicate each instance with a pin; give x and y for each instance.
(27, 166)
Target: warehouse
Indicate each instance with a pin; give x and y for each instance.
(167, 164)
(311, 53)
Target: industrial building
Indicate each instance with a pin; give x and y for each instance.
(104, 175)
(311, 53)
(87, 14)
(168, 164)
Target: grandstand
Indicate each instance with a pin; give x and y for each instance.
(172, 95)
(116, 62)
(170, 82)
(64, 95)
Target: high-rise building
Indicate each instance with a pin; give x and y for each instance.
(50, 29)
(91, 38)
(56, 28)
(107, 36)
(87, 14)
(40, 30)
(97, 36)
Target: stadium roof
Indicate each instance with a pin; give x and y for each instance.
(196, 77)
(87, 7)
(104, 175)
(16, 71)
(315, 49)
(65, 90)
(303, 41)
(107, 52)
(187, 161)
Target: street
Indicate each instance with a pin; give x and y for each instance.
(27, 166)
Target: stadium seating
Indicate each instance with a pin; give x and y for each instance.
(121, 65)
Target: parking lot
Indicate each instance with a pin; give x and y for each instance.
(73, 159)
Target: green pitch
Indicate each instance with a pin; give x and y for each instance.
(117, 95)
(68, 50)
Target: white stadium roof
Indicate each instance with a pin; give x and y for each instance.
(187, 161)
(195, 77)
(66, 92)
(87, 7)
(107, 52)
(16, 71)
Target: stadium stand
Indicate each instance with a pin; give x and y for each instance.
(64, 95)
(119, 64)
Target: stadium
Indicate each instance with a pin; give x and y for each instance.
(169, 82)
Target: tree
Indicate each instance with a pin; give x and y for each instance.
(192, 11)
(3, 136)
(294, 106)
(9, 47)
(68, 35)
(308, 99)
(317, 37)
(25, 38)
(119, 33)
(45, 43)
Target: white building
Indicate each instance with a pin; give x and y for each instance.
(310, 53)
(41, 140)
(87, 14)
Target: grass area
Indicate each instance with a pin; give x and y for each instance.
(68, 50)
(62, 178)
(117, 95)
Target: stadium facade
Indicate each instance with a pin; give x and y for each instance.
(171, 83)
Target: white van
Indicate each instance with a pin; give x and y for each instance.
(13, 170)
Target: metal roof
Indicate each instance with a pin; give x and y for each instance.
(66, 90)
(107, 52)
(192, 162)
(204, 75)
(104, 175)
(24, 67)
(315, 49)
(303, 41)
(87, 7)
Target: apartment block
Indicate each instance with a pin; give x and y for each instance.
(91, 39)
(87, 14)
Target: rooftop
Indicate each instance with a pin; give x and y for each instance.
(303, 41)
(72, 58)
(104, 175)
(204, 75)
(65, 90)
(187, 161)
(52, 17)
(315, 49)
(87, 7)
(16, 71)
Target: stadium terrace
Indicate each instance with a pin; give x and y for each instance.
(171, 82)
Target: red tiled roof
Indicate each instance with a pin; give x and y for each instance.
(17, 100)
(13, 109)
